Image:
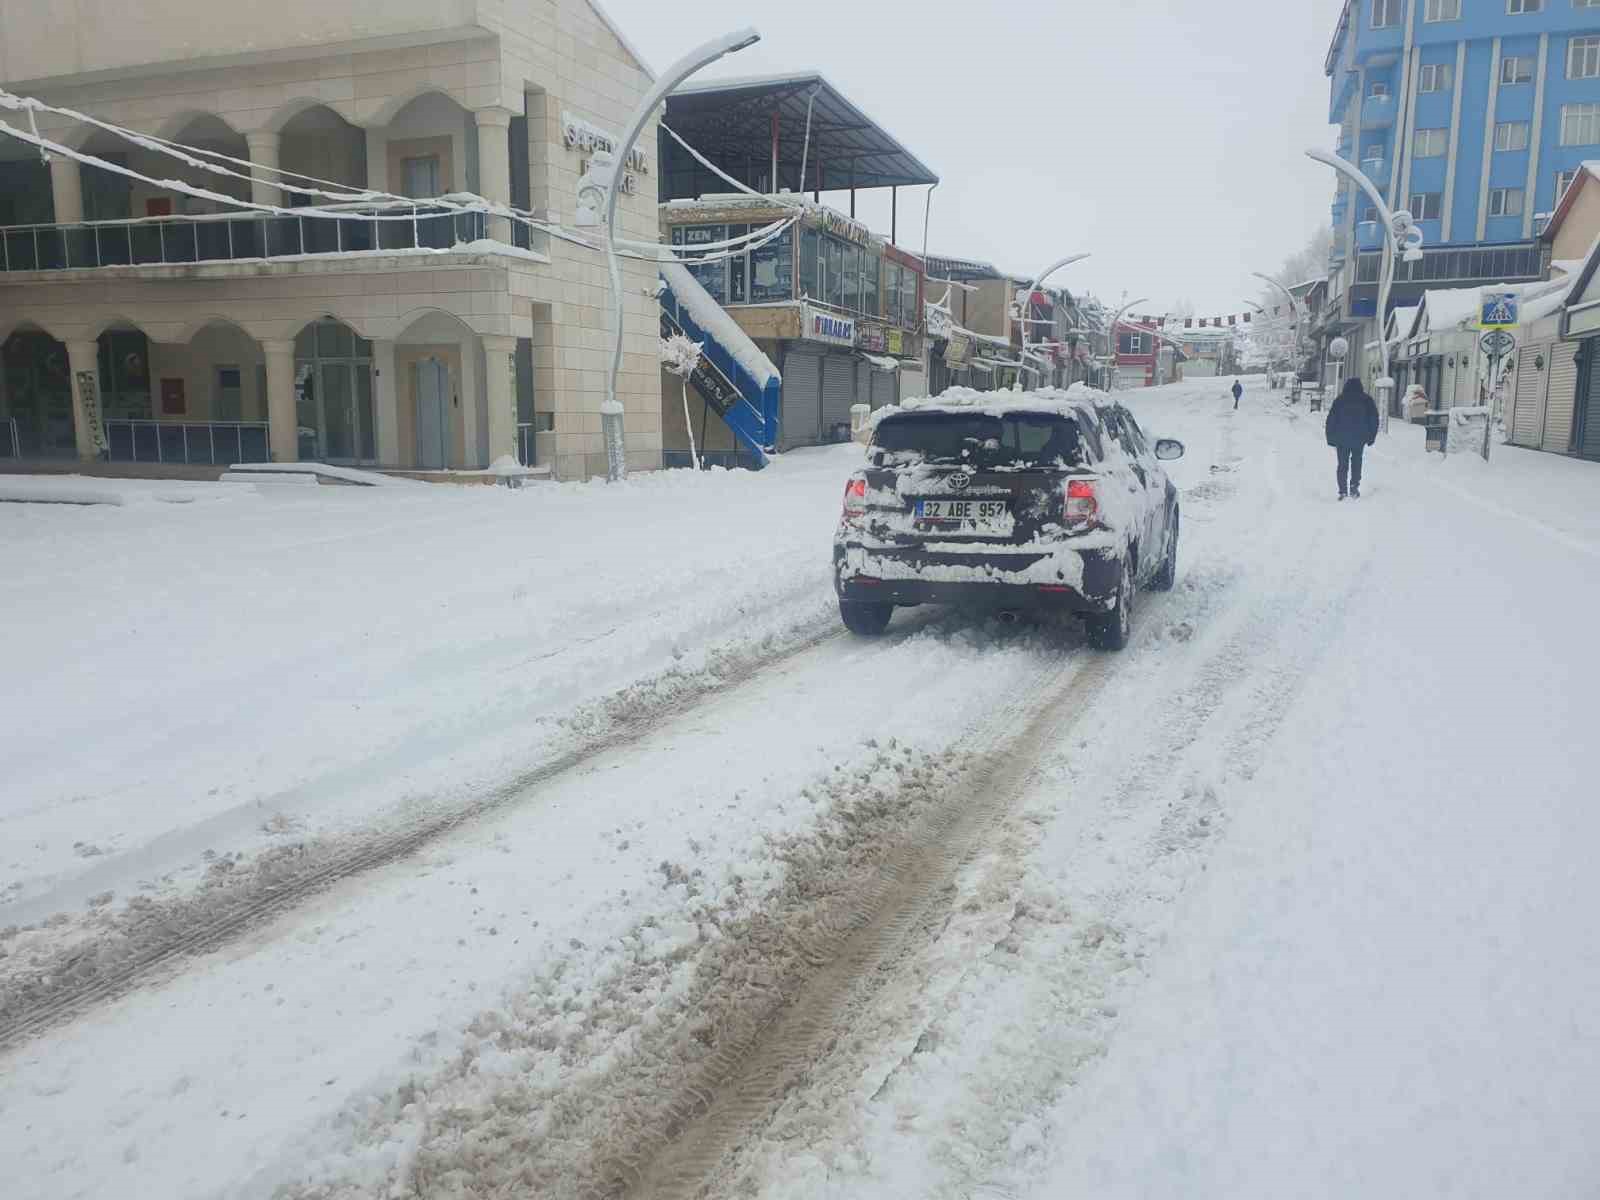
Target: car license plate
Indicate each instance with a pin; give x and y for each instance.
(979, 515)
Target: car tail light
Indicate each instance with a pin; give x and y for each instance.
(1083, 507)
(855, 498)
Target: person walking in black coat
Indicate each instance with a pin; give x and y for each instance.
(1352, 427)
(1238, 390)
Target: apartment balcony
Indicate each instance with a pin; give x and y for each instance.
(240, 237)
(1342, 92)
(1378, 112)
(1341, 207)
(1369, 235)
(1377, 170)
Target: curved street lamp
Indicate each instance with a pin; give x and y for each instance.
(700, 56)
(1111, 339)
(1404, 240)
(1027, 304)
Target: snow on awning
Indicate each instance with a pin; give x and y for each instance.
(882, 362)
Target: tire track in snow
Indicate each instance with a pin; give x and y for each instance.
(155, 936)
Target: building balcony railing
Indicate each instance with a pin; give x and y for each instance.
(1377, 170)
(1461, 265)
(233, 237)
(1369, 235)
(218, 443)
(1377, 112)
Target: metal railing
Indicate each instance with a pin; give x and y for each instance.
(8, 426)
(210, 442)
(525, 442)
(226, 237)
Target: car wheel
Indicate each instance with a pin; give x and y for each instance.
(1167, 576)
(1110, 631)
(864, 619)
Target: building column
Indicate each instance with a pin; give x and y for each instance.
(500, 363)
(264, 145)
(66, 189)
(283, 426)
(88, 421)
(378, 160)
(467, 453)
(386, 403)
(494, 164)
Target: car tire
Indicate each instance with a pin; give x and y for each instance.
(1167, 576)
(1111, 630)
(864, 619)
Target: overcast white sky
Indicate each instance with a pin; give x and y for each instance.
(1165, 137)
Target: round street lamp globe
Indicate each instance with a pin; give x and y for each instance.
(1338, 348)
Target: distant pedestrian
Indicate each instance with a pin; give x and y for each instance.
(1238, 390)
(1352, 427)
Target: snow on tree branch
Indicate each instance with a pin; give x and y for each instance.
(680, 355)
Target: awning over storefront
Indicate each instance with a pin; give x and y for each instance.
(734, 123)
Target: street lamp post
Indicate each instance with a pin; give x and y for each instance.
(1027, 305)
(1403, 239)
(701, 56)
(1299, 317)
(1111, 346)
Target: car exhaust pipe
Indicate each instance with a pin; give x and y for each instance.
(1009, 616)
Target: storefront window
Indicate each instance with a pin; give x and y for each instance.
(772, 270)
(736, 268)
(908, 298)
(125, 375)
(810, 248)
(712, 276)
(891, 292)
(852, 278)
(833, 276)
(871, 265)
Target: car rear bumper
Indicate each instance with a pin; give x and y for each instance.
(1061, 581)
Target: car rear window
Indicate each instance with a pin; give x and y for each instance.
(1016, 439)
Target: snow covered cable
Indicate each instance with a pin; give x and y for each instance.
(798, 202)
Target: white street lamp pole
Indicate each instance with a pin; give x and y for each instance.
(701, 56)
(1027, 306)
(1299, 316)
(1111, 340)
(1397, 226)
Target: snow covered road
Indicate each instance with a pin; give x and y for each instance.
(1290, 898)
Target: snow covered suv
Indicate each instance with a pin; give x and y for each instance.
(1011, 502)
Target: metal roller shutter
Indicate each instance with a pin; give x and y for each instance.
(802, 400)
(1527, 419)
(864, 374)
(1589, 445)
(838, 393)
(883, 388)
(1563, 392)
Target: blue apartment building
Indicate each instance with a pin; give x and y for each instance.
(1472, 114)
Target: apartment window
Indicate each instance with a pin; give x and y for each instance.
(1524, 6)
(1564, 178)
(1580, 124)
(1437, 77)
(1130, 343)
(1518, 68)
(1505, 202)
(1377, 90)
(1430, 143)
(1442, 10)
(419, 177)
(1386, 13)
(1511, 135)
(1425, 206)
(1370, 213)
(1583, 58)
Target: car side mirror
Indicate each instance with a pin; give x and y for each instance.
(1168, 449)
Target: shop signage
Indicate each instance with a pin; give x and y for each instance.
(871, 337)
(842, 226)
(957, 350)
(895, 341)
(938, 322)
(577, 134)
(820, 326)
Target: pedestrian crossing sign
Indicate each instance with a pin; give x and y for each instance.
(1498, 311)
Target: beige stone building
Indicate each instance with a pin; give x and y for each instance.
(413, 338)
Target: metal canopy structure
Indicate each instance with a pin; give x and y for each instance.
(745, 126)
